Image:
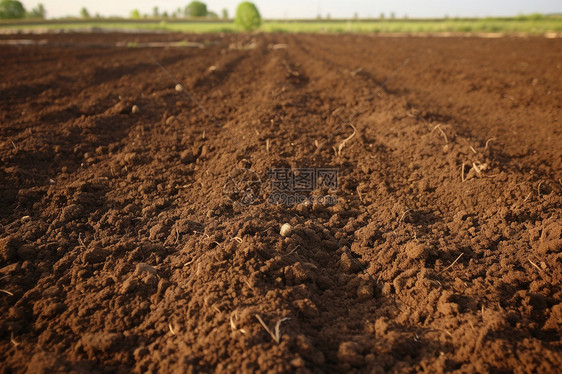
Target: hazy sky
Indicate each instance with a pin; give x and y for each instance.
(311, 8)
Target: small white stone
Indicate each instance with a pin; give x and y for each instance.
(179, 88)
(286, 230)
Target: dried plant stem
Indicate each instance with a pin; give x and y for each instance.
(171, 328)
(535, 265)
(274, 335)
(342, 144)
(438, 126)
(488, 142)
(404, 215)
(454, 262)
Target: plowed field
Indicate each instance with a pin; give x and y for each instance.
(143, 189)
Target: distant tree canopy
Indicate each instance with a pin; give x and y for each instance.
(196, 9)
(11, 9)
(247, 16)
(532, 17)
(38, 12)
(84, 13)
(135, 14)
(224, 13)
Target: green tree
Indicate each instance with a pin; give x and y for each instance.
(84, 13)
(224, 13)
(38, 12)
(196, 9)
(11, 9)
(155, 12)
(135, 14)
(247, 16)
(211, 14)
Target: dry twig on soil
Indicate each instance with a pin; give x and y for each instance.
(359, 194)
(488, 142)
(479, 168)
(404, 215)
(171, 328)
(438, 126)
(13, 341)
(535, 265)
(233, 327)
(342, 144)
(277, 335)
(454, 262)
(81, 241)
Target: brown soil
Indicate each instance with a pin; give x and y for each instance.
(120, 252)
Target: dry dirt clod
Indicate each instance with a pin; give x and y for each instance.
(416, 250)
(135, 109)
(350, 352)
(365, 291)
(26, 252)
(8, 248)
(129, 285)
(143, 268)
(95, 254)
(188, 157)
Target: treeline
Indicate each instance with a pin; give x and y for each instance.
(247, 15)
(13, 9)
(195, 9)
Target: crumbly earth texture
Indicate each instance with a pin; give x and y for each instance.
(121, 252)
